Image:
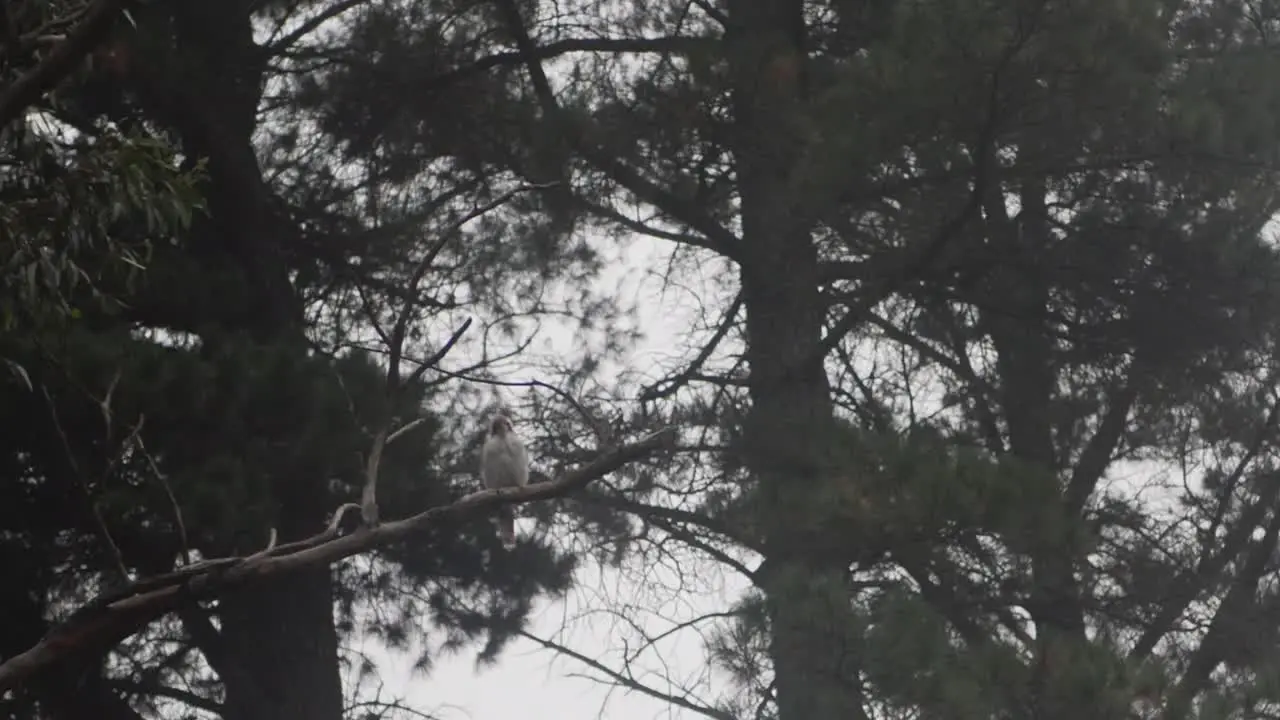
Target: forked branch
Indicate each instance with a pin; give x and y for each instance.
(395, 340)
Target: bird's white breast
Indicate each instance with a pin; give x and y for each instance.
(503, 462)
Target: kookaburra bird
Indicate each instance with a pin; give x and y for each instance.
(504, 463)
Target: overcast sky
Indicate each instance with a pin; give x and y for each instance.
(531, 683)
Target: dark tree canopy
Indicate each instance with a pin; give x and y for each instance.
(981, 411)
(200, 345)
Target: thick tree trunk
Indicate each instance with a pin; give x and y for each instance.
(280, 635)
(790, 422)
(278, 645)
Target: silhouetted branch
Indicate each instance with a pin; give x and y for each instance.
(168, 491)
(627, 681)
(1189, 584)
(82, 483)
(668, 387)
(107, 621)
(311, 24)
(395, 348)
(368, 499)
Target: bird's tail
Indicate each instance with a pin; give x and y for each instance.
(507, 528)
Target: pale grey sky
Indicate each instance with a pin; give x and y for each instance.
(532, 683)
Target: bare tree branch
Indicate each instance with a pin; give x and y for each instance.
(168, 491)
(1190, 583)
(103, 623)
(551, 51)
(668, 387)
(82, 483)
(185, 697)
(395, 348)
(914, 264)
(1097, 452)
(368, 499)
(312, 24)
(598, 428)
(713, 12)
(627, 681)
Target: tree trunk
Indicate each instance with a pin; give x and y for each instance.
(280, 635)
(278, 644)
(790, 421)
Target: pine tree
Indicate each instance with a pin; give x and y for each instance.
(984, 252)
(232, 391)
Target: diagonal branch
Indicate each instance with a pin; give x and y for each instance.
(368, 498)
(312, 24)
(82, 484)
(668, 387)
(1097, 453)
(979, 385)
(1189, 584)
(106, 622)
(627, 681)
(1217, 641)
(916, 264)
(179, 524)
(420, 270)
(642, 227)
(647, 511)
(676, 44)
(718, 237)
(912, 267)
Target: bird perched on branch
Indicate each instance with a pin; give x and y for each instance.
(504, 463)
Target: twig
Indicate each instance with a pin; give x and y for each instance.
(595, 423)
(168, 491)
(627, 681)
(917, 263)
(369, 496)
(407, 427)
(395, 349)
(440, 354)
(158, 689)
(102, 624)
(396, 345)
(324, 16)
(668, 387)
(83, 485)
